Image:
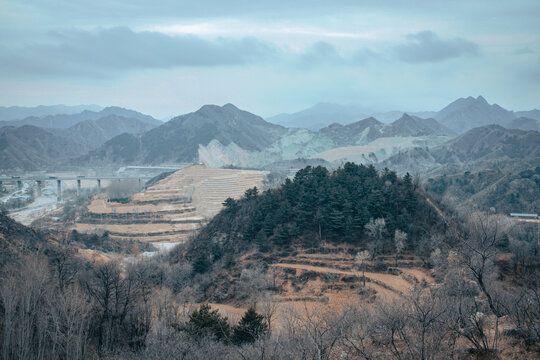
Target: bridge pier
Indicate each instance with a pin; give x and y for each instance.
(99, 186)
(59, 189)
(38, 187)
(19, 184)
(78, 187)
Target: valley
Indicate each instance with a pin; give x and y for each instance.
(269, 180)
(340, 229)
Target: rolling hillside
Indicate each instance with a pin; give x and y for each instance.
(32, 148)
(479, 148)
(91, 134)
(178, 140)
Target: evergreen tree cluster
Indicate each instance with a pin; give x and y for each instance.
(334, 206)
(316, 206)
(206, 322)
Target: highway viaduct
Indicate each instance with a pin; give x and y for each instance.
(39, 180)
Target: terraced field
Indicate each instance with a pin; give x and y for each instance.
(328, 278)
(173, 208)
(337, 267)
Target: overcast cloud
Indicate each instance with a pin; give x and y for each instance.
(426, 46)
(169, 57)
(108, 51)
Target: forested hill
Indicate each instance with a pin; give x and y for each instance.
(318, 206)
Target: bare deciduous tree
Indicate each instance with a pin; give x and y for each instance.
(361, 260)
(375, 230)
(399, 242)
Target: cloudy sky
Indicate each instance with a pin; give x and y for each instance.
(167, 57)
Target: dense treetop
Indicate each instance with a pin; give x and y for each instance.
(318, 205)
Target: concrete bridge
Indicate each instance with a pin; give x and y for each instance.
(39, 180)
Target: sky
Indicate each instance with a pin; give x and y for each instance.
(169, 57)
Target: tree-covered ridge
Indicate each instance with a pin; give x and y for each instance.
(486, 190)
(318, 205)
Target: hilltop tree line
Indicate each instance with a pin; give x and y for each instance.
(316, 206)
(490, 190)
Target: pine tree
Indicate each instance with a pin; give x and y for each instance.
(229, 203)
(250, 328)
(206, 322)
(281, 236)
(262, 241)
(251, 193)
(201, 264)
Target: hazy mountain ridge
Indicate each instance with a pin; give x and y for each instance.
(481, 147)
(225, 135)
(33, 148)
(21, 112)
(357, 133)
(461, 115)
(30, 147)
(320, 115)
(409, 125)
(466, 113)
(64, 121)
(490, 142)
(91, 134)
(532, 114)
(523, 123)
(221, 136)
(178, 140)
(504, 191)
(379, 149)
(367, 130)
(370, 141)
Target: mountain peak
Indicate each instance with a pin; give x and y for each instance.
(464, 114)
(406, 116)
(230, 106)
(408, 125)
(469, 100)
(212, 109)
(208, 107)
(480, 98)
(112, 108)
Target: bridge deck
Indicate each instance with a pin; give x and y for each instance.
(71, 178)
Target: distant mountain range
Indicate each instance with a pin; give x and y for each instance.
(178, 140)
(64, 121)
(25, 146)
(226, 135)
(91, 134)
(490, 146)
(364, 131)
(320, 115)
(459, 116)
(370, 141)
(32, 148)
(20, 112)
